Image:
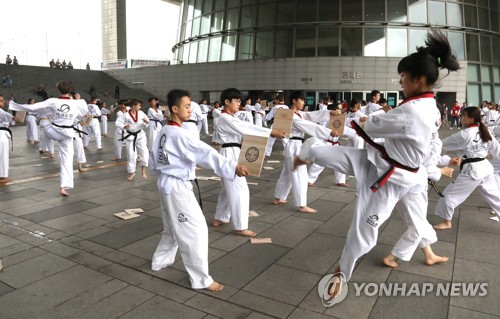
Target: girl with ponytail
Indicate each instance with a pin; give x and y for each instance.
(473, 144)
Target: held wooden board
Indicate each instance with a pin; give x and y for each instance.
(337, 123)
(21, 116)
(252, 153)
(283, 121)
(87, 120)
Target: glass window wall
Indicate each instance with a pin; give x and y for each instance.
(457, 43)
(485, 73)
(496, 50)
(193, 53)
(306, 11)
(217, 21)
(351, 10)
(351, 44)
(248, 16)
(473, 73)
(286, 11)
(329, 10)
(284, 43)
(374, 42)
(264, 45)
(486, 92)
(328, 41)
(397, 42)
(473, 97)
(219, 5)
(396, 10)
(267, 14)
(417, 39)
(214, 51)
(437, 13)
(484, 19)
(232, 19)
(305, 42)
(245, 47)
(205, 24)
(470, 15)
(228, 48)
(202, 51)
(374, 10)
(472, 45)
(417, 11)
(196, 27)
(454, 14)
(485, 49)
(197, 8)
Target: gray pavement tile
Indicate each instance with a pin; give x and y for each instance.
(125, 259)
(15, 202)
(129, 275)
(478, 246)
(461, 313)
(92, 232)
(353, 306)
(14, 249)
(246, 262)
(300, 313)
(214, 235)
(143, 248)
(339, 224)
(33, 239)
(168, 290)
(340, 195)
(217, 307)
(213, 255)
(326, 210)
(112, 306)
(44, 294)
(470, 271)
(479, 221)
(428, 306)
(169, 273)
(448, 235)
(28, 208)
(11, 231)
(41, 229)
(313, 302)
(55, 212)
(34, 269)
(25, 193)
(60, 249)
(21, 256)
(117, 196)
(17, 221)
(291, 231)
(66, 222)
(90, 260)
(395, 227)
(262, 304)
(91, 247)
(4, 289)
(230, 241)
(158, 307)
(6, 241)
(130, 233)
(225, 294)
(294, 285)
(316, 254)
(253, 315)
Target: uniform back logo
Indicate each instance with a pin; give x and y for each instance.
(182, 218)
(242, 116)
(162, 155)
(252, 154)
(64, 108)
(372, 220)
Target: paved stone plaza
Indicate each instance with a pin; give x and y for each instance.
(71, 258)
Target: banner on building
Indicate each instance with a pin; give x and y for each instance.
(139, 63)
(114, 65)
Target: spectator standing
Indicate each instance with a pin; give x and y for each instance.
(455, 115)
(8, 60)
(117, 91)
(58, 64)
(52, 64)
(70, 65)
(16, 63)
(40, 91)
(87, 67)
(64, 64)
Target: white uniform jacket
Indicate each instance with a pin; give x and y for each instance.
(305, 122)
(175, 155)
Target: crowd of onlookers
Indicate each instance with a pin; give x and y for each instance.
(9, 60)
(58, 65)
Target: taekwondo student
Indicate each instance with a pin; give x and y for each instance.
(46, 144)
(269, 117)
(63, 111)
(173, 158)
(395, 169)
(77, 140)
(216, 112)
(105, 112)
(234, 198)
(117, 139)
(5, 135)
(473, 144)
(31, 128)
(196, 116)
(94, 127)
(203, 122)
(259, 114)
(133, 123)
(155, 117)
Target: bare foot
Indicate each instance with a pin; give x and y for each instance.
(215, 286)
(335, 286)
(435, 259)
(36, 142)
(63, 192)
(277, 201)
(307, 210)
(446, 224)
(144, 175)
(342, 184)
(4, 180)
(131, 177)
(311, 184)
(390, 261)
(217, 223)
(246, 233)
(80, 168)
(116, 158)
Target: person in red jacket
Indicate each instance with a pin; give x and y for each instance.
(455, 115)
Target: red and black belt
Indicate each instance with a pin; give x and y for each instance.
(393, 163)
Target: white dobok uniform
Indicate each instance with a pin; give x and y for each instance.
(118, 135)
(104, 120)
(173, 158)
(314, 170)
(476, 171)
(135, 139)
(269, 117)
(5, 138)
(216, 114)
(353, 140)
(491, 118)
(203, 122)
(245, 116)
(155, 124)
(408, 131)
(296, 180)
(31, 128)
(63, 111)
(78, 144)
(192, 124)
(234, 198)
(496, 160)
(46, 144)
(94, 128)
(259, 115)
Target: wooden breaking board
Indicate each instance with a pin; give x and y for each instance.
(252, 153)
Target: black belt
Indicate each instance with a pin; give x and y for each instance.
(470, 160)
(70, 126)
(31, 114)
(157, 122)
(231, 145)
(332, 142)
(134, 134)
(10, 132)
(434, 186)
(297, 138)
(393, 163)
(199, 193)
(96, 117)
(192, 121)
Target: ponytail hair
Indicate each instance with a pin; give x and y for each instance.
(427, 61)
(475, 113)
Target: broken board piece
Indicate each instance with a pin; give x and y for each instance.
(252, 183)
(37, 165)
(253, 213)
(268, 167)
(125, 215)
(100, 162)
(134, 210)
(261, 240)
(273, 162)
(495, 218)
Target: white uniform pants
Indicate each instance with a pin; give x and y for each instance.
(93, 129)
(104, 123)
(203, 123)
(31, 129)
(118, 143)
(295, 180)
(215, 136)
(457, 192)
(154, 130)
(372, 209)
(184, 227)
(66, 152)
(141, 149)
(270, 144)
(413, 210)
(315, 170)
(234, 198)
(79, 150)
(258, 119)
(46, 144)
(4, 153)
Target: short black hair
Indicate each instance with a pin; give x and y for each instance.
(229, 94)
(175, 96)
(135, 102)
(295, 95)
(374, 93)
(64, 87)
